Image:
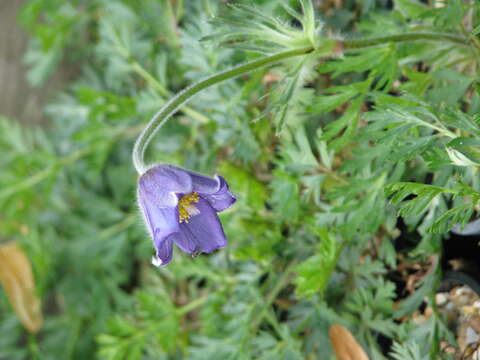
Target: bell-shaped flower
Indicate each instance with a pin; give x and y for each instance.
(180, 207)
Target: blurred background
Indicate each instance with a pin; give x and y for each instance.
(20, 100)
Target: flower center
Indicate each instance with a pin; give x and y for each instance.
(185, 207)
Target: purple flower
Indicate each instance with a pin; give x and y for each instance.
(181, 207)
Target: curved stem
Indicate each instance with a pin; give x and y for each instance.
(182, 97)
(164, 92)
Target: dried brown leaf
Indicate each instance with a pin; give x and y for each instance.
(17, 280)
(345, 345)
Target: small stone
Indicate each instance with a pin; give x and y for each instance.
(471, 336)
(462, 291)
(441, 299)
(451, 307)
(475, 323)
(428, 312)
(476, 355)
(446, 347)
(468, 310)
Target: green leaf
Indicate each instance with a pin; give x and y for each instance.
(324, 104)
(410, 8)
(409, 350)
(459, 215)
(313, 274)
(476, 31)
(350, 119)
(424, 195)
(285, 197)
(243, 182)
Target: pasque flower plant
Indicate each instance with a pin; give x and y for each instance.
(181, 207)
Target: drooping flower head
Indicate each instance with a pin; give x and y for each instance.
(180, 207)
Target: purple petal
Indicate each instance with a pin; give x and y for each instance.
(215, 191)
(159, 191)
(162, 222)
(160, 183)
(164, 252)
(222, 198)
(202, 233)
(203, 184)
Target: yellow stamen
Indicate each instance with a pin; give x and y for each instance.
(185, 208)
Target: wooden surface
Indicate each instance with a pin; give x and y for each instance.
(18, 100)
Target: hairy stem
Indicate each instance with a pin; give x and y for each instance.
(182, 97)
(164, 92)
